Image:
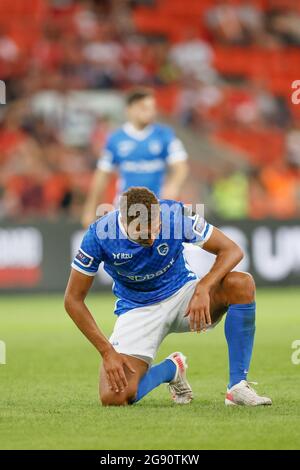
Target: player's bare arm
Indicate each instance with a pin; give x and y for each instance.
(77, 289)
(228, 255)
(99, 182)
(178, 173)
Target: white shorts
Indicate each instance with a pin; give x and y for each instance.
(140, 331)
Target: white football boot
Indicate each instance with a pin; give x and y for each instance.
(244, 395)
(179, 387)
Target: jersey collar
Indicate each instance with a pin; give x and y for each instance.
(137, 134)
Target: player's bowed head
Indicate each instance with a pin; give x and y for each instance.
(140, 215)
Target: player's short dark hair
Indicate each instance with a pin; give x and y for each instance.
(135, 196)
(137, 94)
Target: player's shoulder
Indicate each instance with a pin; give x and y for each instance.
(171, 206)
(178, 208)
(163, 129)
(115, 135)
(171, 202)
(104, 225)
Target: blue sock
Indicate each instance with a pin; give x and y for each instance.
(158, 374)
(239, 332)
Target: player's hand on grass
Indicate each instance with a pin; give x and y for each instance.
(114, 364)
(198, 309)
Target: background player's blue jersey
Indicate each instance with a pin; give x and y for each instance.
(141, 157)
(142, 275)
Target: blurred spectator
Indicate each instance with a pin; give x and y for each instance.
(9, 50)
(293, 145)
(194, 57)
(101, 129)
(284, 24)
(253, 104)
(103, 60)
(230, 195)
(281, 184)
(233, 24)
(198, 104)
(259, 201)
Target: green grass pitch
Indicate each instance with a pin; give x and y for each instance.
(49, 386)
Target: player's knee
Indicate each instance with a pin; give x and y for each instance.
(113, 399)
(119, 399)
(131, 393)
(240, 287)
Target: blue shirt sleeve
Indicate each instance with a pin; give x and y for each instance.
(108, 160)
(89, 255)
(196, 229)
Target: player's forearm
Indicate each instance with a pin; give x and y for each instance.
(92, 201)
(94, 196)
(226, 260)
(175, 180)
(84, 320)
(179, 173)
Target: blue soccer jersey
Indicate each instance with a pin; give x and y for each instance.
(142, 275)
(141, 157)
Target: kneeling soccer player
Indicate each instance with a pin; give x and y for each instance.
(141, 246)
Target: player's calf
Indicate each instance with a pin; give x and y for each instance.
(239, 291)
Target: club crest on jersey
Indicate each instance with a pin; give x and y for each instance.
(163, 249)
(126, 147)
(155, 147)
(84, 259)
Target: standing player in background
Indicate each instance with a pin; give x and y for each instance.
(142, 151)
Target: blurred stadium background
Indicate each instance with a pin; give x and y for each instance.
(222, 72)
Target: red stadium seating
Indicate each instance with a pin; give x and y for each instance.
(262, 147)
(22, 20)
